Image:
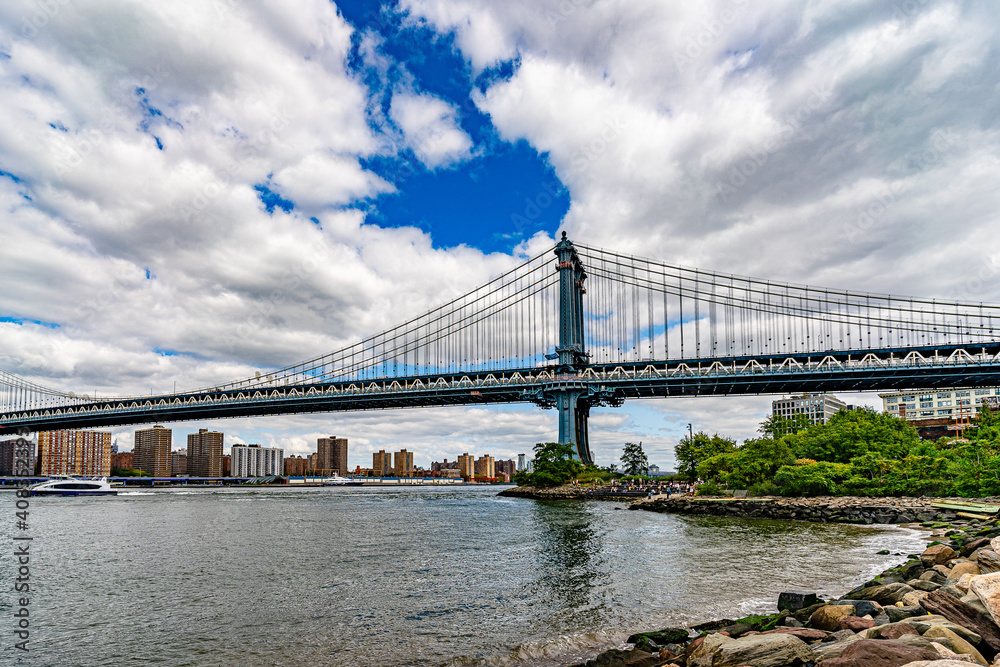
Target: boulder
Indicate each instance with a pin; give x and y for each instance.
(973, 601)
(972, 546)
(988, 561)
(897, 614)
(778, 650)
(855, 623)
(924, 623)
(705, 647)
(863, 607)
(986, 587)
(660, 637)
(967, 620)
(886, 595)
(891, 631)
(933, 576)
(795, 600)
(968, 567)
(618, 658)
(914, 599)
(835, 644)
(937, 555)
(957, 644)
(828, 617)
(805, 634)
(872, 653)
(924, 585)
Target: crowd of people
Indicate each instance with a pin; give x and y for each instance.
(656, 488)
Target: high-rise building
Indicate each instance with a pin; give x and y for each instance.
(151, 451)
(121, 461)
(204, 452)
(179, 462)
(75, 452)
(296, 466)
(817, 408)
(926, 404)
(332, 454)
(504, 467)
(382, 464)
(403, 463)
(466, 466)
(521, 461)
(485, 467)
(17, 458)
(256, 461)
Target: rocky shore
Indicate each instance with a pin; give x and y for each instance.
(940, 608)
(823, 510)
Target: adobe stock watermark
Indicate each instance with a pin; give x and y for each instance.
(206, 195)
(754, 159)
(708, 31)
(21, 550)
(45, 10)
(873, 213)
(986, 273)
(74, 151)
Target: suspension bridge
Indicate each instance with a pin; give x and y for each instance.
(581, 327)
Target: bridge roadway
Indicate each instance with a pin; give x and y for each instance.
(867, 370)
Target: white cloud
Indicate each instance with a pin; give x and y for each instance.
(431, 129)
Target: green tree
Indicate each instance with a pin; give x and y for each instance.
(777, 426)
(634, 461)
(690, 452)
(851, 433)
(554, 464)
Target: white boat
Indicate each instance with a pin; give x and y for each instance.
(337, 480)
(65, 485)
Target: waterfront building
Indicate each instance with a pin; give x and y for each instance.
(226, 465)
(817, 408)
(256, 461)
(17, 458)
(151, 451)
(204, 453)
(924, 404)
(521, 461)
(504, 468)
(466, 466)
(485, 467)
(314, 461)
(530, 467)
(121, 461)
(437, 466)
(75, 452)
(179, 462)
(296, 466)
(332, 455)
(382, 464)
(403, 463)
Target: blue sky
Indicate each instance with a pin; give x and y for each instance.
(247, 185)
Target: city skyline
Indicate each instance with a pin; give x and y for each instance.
(828, 145)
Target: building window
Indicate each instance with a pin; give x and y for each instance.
(961, 393)
(927, 413)
(927, 397)
(982, 392)
(944, 394)
(891, 399)
(927, 405)
(941, 404)
(944, 412)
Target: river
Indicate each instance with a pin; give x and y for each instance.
(372, 576)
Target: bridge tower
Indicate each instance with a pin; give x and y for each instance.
(568, 391)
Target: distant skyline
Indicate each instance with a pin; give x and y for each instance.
(192, 192)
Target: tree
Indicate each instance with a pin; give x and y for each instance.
(554, 464)
(634, 461)
(851, 433)
(690, 452)
(777, 426)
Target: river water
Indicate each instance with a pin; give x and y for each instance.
(403, 576)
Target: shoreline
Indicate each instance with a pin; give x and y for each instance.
(926, 608)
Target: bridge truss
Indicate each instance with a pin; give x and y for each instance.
(590, 327)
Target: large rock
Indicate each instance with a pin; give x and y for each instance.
(778, 650)
(618, 658)
(863, 607)
(891, 631)
(968, 567)
(795, 600)
(972, 546)
(659, 637)
(973, 601)
(987, 588)
(805, 634)
(875, 653)
(988, 561)
(897, 614)
(835, 644)
(924, 623)
(706, 646)
(886, 595)
(828, 617)
(937, 555)
(966, 618)
(855, 623)
(958, 645)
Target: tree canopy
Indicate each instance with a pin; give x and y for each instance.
(634, 460)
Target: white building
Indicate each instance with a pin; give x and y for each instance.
(521, 462)
(818, 408)
(256, 461)
(920, 404)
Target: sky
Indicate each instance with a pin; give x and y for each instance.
(192, 191)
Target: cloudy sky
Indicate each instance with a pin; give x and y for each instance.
(193, 190)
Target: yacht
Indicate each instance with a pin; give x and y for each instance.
(65, 485)
(337, 480)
